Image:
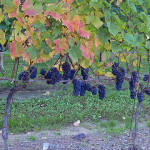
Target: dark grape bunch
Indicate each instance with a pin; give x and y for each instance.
(88, 86)
(134, 80)
(33, 72)
(83, 89)
(53, 75)
(114, 68)
(119, 72)
(71, 74)
(94, 90)
(140, 96)
(84, 73)
(76, 87)
(66, 69)
(146, 77)
(102, 92)
(133, 94)
(147, 91)
(24, 76)
(43, 72)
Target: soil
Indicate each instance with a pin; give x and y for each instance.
(96, 139)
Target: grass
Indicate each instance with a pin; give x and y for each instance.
(148, 123)
(53, 112)
(31, 138)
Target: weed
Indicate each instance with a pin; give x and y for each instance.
(31, 138)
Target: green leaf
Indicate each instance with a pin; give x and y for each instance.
(46, 51)
(147, 44)
(132, 6)
(115, 47)
(32, 52)
(113, 28)
(103, 34)
(97, 22)
(75, 53)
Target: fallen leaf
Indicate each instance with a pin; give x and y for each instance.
(47, 93)
(76, 123)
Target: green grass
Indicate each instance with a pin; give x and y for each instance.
(148, 123)
(31, 138)
(58, 110)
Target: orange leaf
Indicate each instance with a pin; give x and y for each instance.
(61, 45)
(16, 49)
(85, 51)
(69, 24)
(53, 14)
(69, 1)
(82, 31)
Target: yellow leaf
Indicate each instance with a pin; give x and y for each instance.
(47, 93)
(2, 37)
(1, 16)
(25, 68)
(109, 75)
(100, 72)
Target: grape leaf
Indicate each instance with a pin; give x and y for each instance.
(75, 53)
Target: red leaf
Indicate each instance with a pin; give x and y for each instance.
(16, 49)
(13, 14)
(29, 8)
(13, 48)
(20, 20)
(92, 58)
(54, 15)
(69, 24)
(58, 47)
(16, 2)
(82, 31)
(85, 51)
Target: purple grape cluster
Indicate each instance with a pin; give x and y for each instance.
(66, 69)
(133, 94)
(146, 77)
(94, 90)
(88, 86)
(24, 76)
(83, 89)
(33, 72)
(140, 96)
(119, 72)
(114, 68)
(147, 91)
(132, 82)
(43, 72)
(53, 75)
(84, 73)
(102, 92)
(76, 87)
(71, 74)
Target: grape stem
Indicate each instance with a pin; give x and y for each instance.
(135, 132)
(5, 126)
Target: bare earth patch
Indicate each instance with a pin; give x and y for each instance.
(96, 139)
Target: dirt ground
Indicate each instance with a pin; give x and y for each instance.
(96, 139)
